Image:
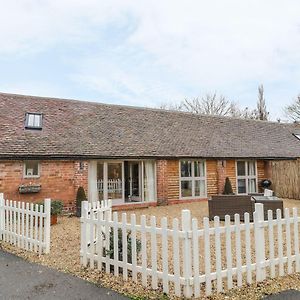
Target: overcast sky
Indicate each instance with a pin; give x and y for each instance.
(151, 52)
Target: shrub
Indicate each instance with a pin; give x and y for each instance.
(227, 187)
(79, 198)
(120, 246)
(56, 207)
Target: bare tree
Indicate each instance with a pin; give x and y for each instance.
(293, 110)
(262, 113)
(212, 104)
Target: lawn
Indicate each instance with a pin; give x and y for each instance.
(65, 246)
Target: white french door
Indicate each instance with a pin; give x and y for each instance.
(110, 181)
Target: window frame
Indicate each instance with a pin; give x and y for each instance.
(27, 126)
(193, 179)
(246, 177)
(31, 176)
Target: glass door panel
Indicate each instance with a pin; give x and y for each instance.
(114, 181)
(134, 181)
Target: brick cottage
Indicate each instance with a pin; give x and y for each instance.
(134, 156)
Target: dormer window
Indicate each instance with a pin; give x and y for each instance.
(33, 121)
(297, 135)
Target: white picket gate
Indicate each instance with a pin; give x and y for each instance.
(26, 225)
(188, 260)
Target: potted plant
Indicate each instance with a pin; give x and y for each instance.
(227, 187)
(79, 198)
(56, 209)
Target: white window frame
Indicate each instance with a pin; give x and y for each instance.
(246, 176)
(193, 179)
(34, 116)
(122, 200)
(31, 176)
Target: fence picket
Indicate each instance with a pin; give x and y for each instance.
(154, 253)
(20, 225)
(296, 239)
(92, 238)
(288, 240)
(36, 226)
(207, 258)
(271, 243)
(196, 265)
(116, 242)
(279, 237)
(238, 249)
(144, 250)
(133, 247)
(107, 242)
(228, 252)
(124, 248)
(176, 257)
(99, 246)
(248, 247)
(218, 253)
(164, 227)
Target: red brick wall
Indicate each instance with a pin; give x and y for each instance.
(59, 181)
(216, 172)
(162, 182)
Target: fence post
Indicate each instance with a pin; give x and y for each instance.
(187, 252)
(259, 237)
(84, 232)
(47, 206)
(1, 215)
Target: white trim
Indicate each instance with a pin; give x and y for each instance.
(193, 179)
(246, 176)
(31, 176)
(122, 201)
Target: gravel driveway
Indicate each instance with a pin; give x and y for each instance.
(23, 280)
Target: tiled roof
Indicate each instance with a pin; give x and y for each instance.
(88, 129)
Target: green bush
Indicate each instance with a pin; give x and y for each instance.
(56, 207)
(79, 198)
(120, 246)
(227, 187)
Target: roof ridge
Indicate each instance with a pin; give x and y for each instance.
(142, 108)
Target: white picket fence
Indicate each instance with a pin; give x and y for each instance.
(26, 225)
(188, 260)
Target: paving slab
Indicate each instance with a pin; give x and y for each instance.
(20, 279)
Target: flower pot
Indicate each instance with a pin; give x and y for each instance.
(53, 219)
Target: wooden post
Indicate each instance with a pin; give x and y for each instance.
(187, 252)
(2, 220)
(47, 205)
(259, 236)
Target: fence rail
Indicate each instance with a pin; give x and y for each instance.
(25, 225)
(187, 260)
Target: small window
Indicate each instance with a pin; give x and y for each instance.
(192, 179)
(33, 121)
(246, 176)
(31, 169)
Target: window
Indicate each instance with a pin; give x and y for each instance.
(246, 176)
(33, 121)
(192, 179)
(31, 169)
